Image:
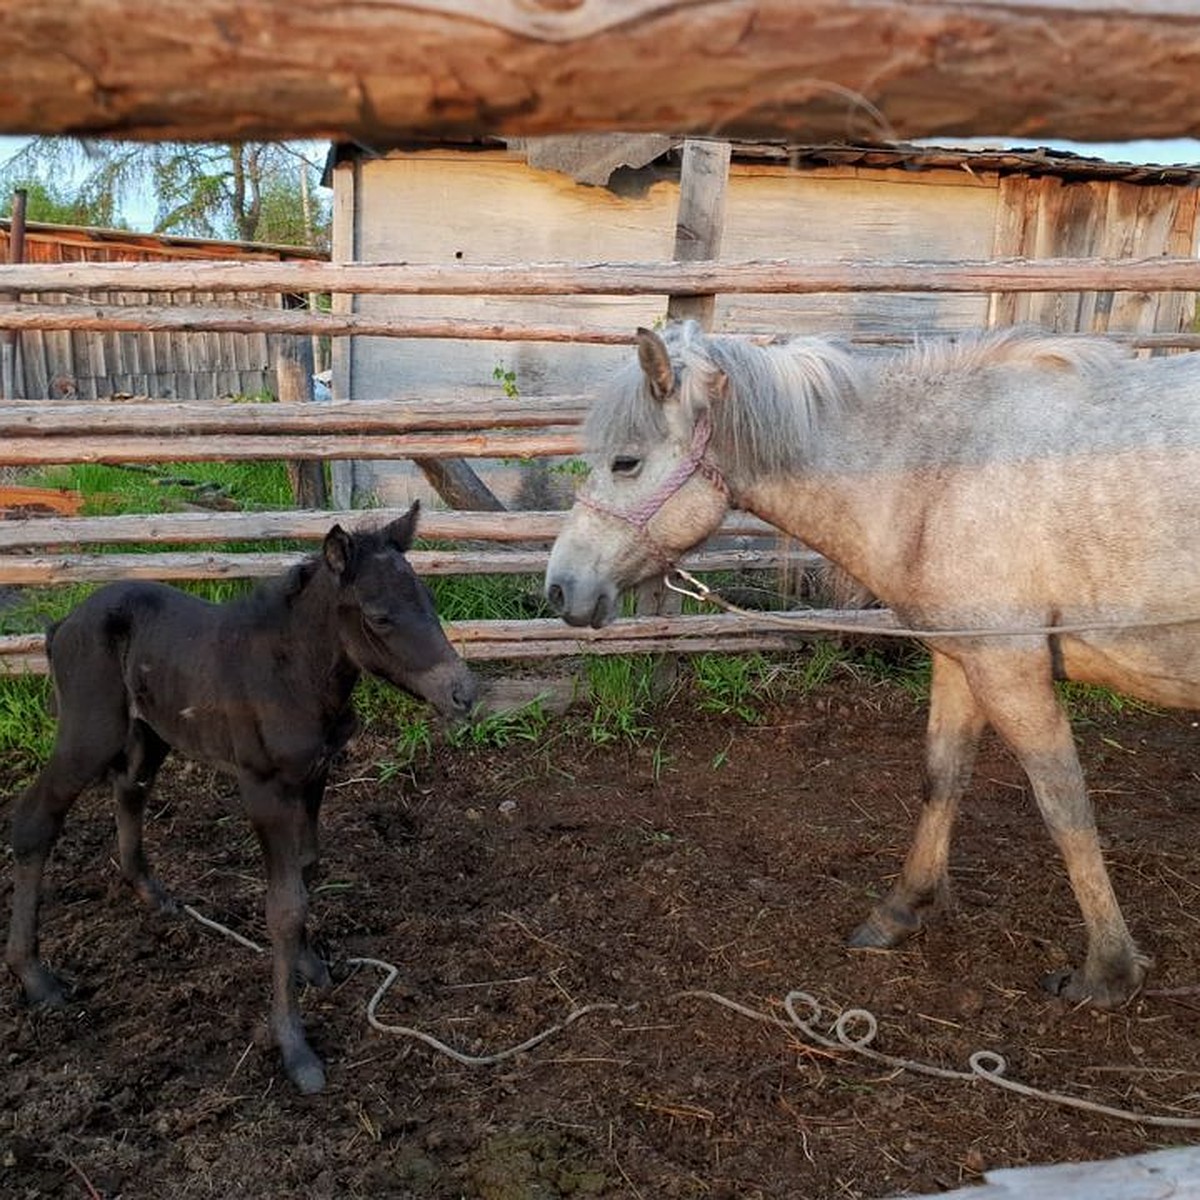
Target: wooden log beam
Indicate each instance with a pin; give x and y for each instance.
(129, 318)
(42, 570)
(41, 418)
(551, 638)
(40, 451)
(189, 528)
(666, 278)
(1093, 70)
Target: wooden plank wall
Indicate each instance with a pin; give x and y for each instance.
(96, 365)
(1054, 218)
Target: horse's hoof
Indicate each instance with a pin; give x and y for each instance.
(154, 896)
(885, 929)
(1108, 991)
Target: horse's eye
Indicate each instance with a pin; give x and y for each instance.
(379, 618)
(626, 464)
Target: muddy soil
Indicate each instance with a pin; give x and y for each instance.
(715, 861)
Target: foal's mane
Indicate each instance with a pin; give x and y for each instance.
(776, 395)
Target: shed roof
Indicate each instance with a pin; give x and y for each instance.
(152, 245)
(593, 158)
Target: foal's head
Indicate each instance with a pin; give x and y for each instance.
(385, 617)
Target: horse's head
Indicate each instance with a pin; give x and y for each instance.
(386, 618)
(653, 492)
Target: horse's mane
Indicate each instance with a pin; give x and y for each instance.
(777, 394)
(774, 395)
(1013, 346)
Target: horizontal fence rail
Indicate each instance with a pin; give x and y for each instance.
(537, 638)
(304, 525)
(44, 569)
(1159, 274)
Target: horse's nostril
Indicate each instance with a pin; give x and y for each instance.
(556, 597)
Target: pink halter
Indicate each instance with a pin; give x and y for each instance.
(692, 463)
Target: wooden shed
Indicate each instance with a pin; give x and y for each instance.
(614, 198)
(175, 365)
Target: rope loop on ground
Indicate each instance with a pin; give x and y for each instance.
(986, 1066)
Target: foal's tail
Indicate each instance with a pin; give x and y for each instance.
(51, 630)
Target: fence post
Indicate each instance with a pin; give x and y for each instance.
(11, 339)
(293, 375)
(699, 224)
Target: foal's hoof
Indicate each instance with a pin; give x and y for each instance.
(43, 988)
(887, 927)
(305, 1071)
(313, 970)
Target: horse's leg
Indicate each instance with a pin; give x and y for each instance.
(1019, 697)
(279, 817)
(84, 750)
(144, 754)
(952, 735)
(311, 966)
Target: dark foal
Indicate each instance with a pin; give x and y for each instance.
(260, 687)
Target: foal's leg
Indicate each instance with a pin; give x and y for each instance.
(89, 741)
(952, 736)
(312, 968)
(144, 754)
(279, 818)
(1021, 703)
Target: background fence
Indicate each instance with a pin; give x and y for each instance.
(57, 550)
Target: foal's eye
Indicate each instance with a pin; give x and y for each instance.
(379, 619)
(625, 464)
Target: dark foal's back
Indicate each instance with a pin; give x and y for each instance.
(254, 683)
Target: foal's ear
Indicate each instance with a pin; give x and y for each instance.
(655, 361)
(402, 530)
(337, 550)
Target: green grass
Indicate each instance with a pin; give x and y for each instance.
(159, 488)
(732, 685)
(621, 696)
(26, 726)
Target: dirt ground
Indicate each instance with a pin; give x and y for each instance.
(513, 887)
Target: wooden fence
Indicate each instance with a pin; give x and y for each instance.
(45, 551)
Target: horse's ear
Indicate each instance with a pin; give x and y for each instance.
(403, 529)
(337, 550)
(655, 361)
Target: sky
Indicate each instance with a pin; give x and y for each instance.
(1167, 152)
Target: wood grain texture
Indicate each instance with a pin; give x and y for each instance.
(806, 69)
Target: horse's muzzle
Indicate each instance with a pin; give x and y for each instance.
(567, 602)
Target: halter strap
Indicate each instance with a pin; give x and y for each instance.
(693, 462)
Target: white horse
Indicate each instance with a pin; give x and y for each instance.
(1018, 481)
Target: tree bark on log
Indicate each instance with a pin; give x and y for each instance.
(216, 70)
(764, 276)
(189, 528)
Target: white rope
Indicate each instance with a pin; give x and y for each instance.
(468, 1060)
(802, 622)
(986, 1065)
